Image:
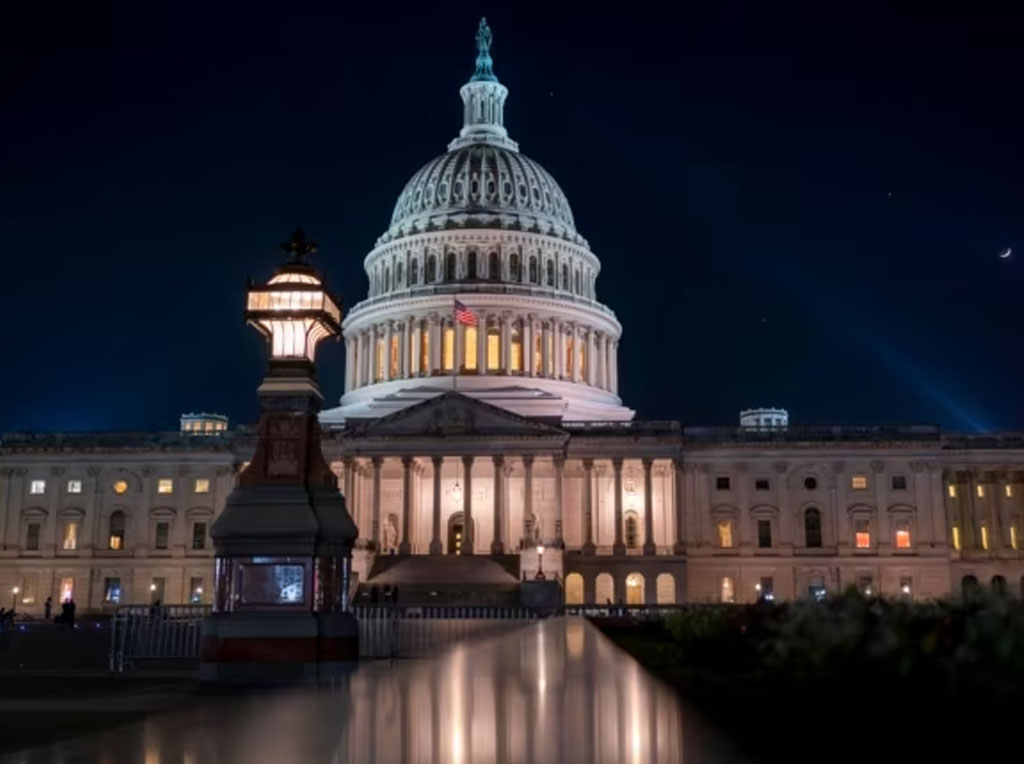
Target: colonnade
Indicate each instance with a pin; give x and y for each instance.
(501, 343)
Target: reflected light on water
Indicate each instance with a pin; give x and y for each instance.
(556, 691)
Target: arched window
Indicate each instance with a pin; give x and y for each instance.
(550, 273)
(565, 277)
(515, 268)
(431, 274)
(493, 348)
(635, 589)
(493, 267)
(449, 268)
(414, 272)
(728, 590)
(632, 531)
(471, 265)
(999, 585)
(969, 586)
(533, 269)
(604, 588)
(399, 276)
(573, 589)
(725, 533)
(665, 589)
(448, 348)
(470, 347)
(517, 346)
(115, 531)
(812, 528)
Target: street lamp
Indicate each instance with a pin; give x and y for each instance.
(540, 562)
(14, 597)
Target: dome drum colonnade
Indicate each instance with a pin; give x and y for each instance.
(487, 226)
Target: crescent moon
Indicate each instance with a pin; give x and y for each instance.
(1006, 253)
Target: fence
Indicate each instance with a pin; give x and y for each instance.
(144, 632)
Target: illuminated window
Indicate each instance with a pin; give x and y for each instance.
(863, 534)
(903, 536)
(765, 588)
(493, 349)
(424, 351)
(28, 588)
(951, 490)
(198, 535)
(195, 589)
(70, 541)
(67, 589)
(859, 482)
(1013, 535)
(583, 359)
(115, 539)
(725, 533)
(448, 348)
(568, 355)
(202, 485)
(632, 532)
(165, 485)
(728, 591)
(394, 356)
(956, 537)
(538, 353)
(517, 347)
(380, 360)
(112, 590)
(120, 486)
(980, 489)
(1009, 491)
(984, 536)
(163, 531)
(32, 537)
(471, 347)
(74, 486)
(37, 487)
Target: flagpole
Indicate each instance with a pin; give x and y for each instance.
(455, 363)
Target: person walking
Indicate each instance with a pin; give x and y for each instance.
(48, 608)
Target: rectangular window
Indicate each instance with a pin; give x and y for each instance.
(1009, 491)
(202, 485)
(863, 534)
(956, 537)
(195, 589)
(766, 588)
(725, 533)
(951, 490)
(493, 349)
(984, 536)
(448, 348)
(74, 486)
(424, 351)
(761, 484)
(471, 347)
(538, 353)
(764, 534)
(859, 482)
(722, 483)
(70, 540)
(906, 586)
(156, 590)
(32, 537)
(28, 588)
(37, 487)
(903, 536)
(162, 532)
(112, 590)
(899, 482)
(728, 592)
(198, 535)
(67, 589)
(980, 491)
(165, 485)
(816, 590)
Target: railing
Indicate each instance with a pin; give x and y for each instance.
(144, 632)
(139, 632)
(637, 611)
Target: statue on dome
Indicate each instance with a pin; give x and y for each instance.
(483, 37)
(483, 54)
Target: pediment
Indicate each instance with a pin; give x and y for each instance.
(455, 415)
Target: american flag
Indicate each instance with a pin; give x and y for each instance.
(464, 314)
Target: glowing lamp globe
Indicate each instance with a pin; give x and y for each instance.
(294, 310)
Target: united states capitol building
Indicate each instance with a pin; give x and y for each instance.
(478, 455)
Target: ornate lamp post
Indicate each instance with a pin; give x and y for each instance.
(540, 562)
(283, 543)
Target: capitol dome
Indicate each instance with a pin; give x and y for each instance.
(481, 284)
(483, 185)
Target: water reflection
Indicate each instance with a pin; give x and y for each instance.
(556, 691)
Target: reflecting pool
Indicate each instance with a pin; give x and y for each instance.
(555, 691)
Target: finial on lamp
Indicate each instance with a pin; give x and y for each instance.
(298, 247)
(483, 53)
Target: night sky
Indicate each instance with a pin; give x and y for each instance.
(796, 206)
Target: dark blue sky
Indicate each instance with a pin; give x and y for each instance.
(796, 206)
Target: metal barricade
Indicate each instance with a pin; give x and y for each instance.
(139, 632)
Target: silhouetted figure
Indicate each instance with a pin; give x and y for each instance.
(48, 608)
(394, 595)
(373, 594)
(154, 609)
(3, 618)
(71, 613)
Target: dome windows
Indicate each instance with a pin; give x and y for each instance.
(493, 267)
(533, 269)
(414, 272)
(431, 274)
(449, 268)
(471, 265)
(550, 270)
(515, 268)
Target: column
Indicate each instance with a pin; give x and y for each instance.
(528, 495)
(649, 548)
(350, 354)
(497, 544)
(435, 535)
(506, 342)
(574, 364)
(614, 363)
(559, 462)
(403, 350)
(588, 508)
(460, 346)
(589, 373)
(528, 351)
(405, 546)
(388, 336)
(679, 547)
(481, 343)
(375, 522)
(619, 547)
(559, 350)
(434, 343)
(467, 507)
(417, 348)
(545, 352)
(605, 367)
